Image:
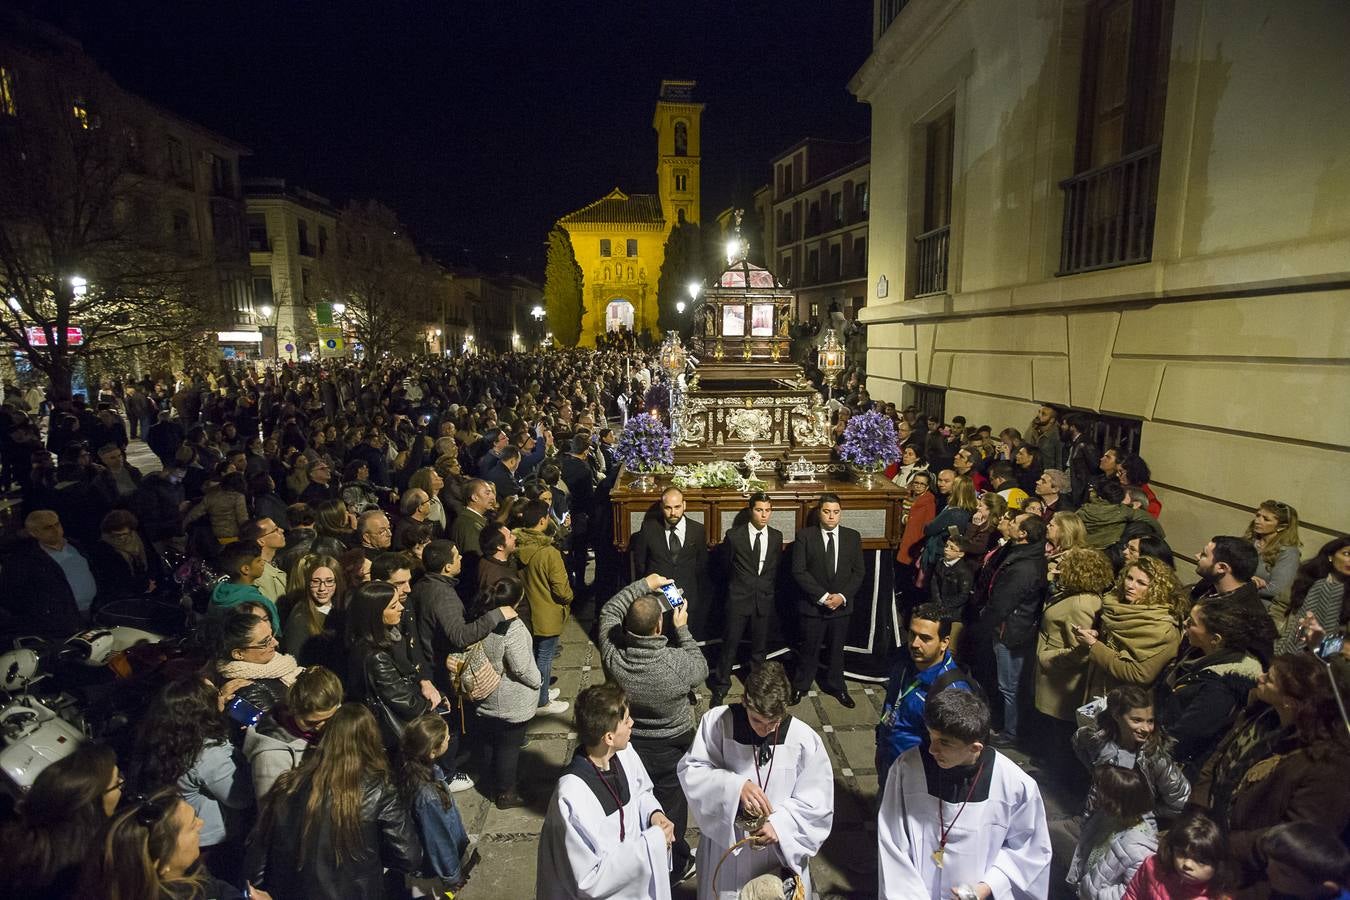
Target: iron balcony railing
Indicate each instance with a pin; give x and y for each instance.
(931, 261)
(1109, 212)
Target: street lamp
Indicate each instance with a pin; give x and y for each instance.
(79, 285)
(679, 307)
(339, 308)
(266, 310)
(538, 312)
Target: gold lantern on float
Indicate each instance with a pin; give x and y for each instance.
(830, 359)
(673, 355)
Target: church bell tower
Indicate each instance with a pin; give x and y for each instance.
(678, 151)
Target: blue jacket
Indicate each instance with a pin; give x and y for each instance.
(901, 725)
(441, 830)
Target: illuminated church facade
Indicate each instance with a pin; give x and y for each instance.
(619, 240)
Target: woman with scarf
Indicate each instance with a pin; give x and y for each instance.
(1137, 635)
(123, 566)
(246, 655)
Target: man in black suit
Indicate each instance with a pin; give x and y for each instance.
(676, 547)
(754, 551)
(827, 564)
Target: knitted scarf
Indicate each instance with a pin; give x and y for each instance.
(283, 667)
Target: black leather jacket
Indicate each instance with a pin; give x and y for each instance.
(388, 681)
(388, 840)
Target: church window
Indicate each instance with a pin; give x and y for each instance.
(681, 139)
(632, 247)
(604, 248)
(681, 181)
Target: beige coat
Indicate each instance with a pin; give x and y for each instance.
(1061, 661)
(1135, 643)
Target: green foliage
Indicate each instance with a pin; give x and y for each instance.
(562, 289)
(683, 264)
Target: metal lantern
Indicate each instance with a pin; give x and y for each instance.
(830, 356)
(673, 355)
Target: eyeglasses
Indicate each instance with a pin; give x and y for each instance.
(323, 582)
(121, 783)
(269, 641)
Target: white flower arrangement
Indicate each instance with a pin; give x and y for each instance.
(720, 474)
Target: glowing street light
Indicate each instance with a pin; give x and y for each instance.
(339, 308)
(266, 309)
(679, 307)
(438, 332)
(538, 313)
(80, 286)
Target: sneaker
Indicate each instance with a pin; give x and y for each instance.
(554, 708)
(461, 782)
(553, 694)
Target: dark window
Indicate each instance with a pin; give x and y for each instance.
(836, 262)
(604, 246)
(631, 246)
(262, 290)
(1111, 200)
(323, 240)
(681, 139)
(836, 209)
(178, 162)
(681, 181)
(859, 257)
(931, 245)
(861, 198)
(222, 176)
(182, 228)
(306, 278)
(787, 178)
(812, 219)
(812, 274)
(306, 248)
(931, 401)
(257, 233)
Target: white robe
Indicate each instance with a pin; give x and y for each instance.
(1002, 841)
(580, 855)
(801, 789)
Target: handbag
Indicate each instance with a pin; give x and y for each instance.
(472, 674)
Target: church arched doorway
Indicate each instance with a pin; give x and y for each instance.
(619, 316)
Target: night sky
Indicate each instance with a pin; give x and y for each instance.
(481, 123)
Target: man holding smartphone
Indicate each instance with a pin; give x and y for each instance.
(656, 673)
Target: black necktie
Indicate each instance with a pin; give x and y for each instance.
(829, 550)
(755, 550)
(674, 542)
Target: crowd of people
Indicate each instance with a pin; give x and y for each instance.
(380, 560)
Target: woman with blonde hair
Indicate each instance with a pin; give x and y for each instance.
(958, 512)
(1138, 633)
(317, 592)
(1274, 533)
(1075, 601)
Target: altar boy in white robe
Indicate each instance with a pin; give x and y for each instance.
(604, 835)
(752, 761)
(958, 819)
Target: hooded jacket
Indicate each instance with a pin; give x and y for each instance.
(544, 575)
(655, 675)
(1134, 645)
(1170, 788)
(229, 594)
(1105, 522)
(1199, 696)
(271, 749)
(1108, 855)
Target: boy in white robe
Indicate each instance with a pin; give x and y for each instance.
(755, 759)
(959, 814)
(604, 835)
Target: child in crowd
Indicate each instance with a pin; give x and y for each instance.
(1304, 861)
(953, 581)
(426, 790)
(1191, 864)
(242, 561)
(1117, 838)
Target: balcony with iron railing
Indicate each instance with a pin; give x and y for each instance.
(930, 261)
(1109, 213)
